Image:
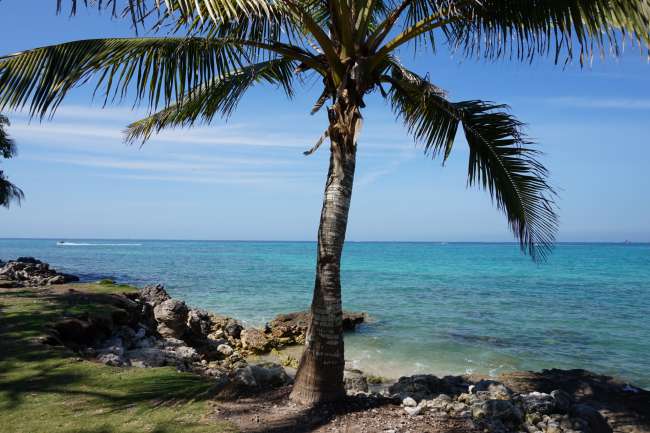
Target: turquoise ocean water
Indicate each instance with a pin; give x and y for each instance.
(439, 308)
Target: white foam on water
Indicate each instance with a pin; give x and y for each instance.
(85, 244)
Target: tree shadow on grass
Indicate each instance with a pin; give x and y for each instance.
(111, 429)
(28, 366)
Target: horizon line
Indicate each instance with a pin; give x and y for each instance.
(624, 242)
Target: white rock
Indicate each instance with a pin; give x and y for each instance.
(413, 411)
(409, 402)
(225, 349)
(112, 359)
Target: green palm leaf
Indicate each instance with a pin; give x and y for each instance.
(252, 19)
(521, 29)
(7, 145)
(8, 191)
(500, 160)
(154, 69)
(219, 97)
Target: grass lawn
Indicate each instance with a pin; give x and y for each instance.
(49, 389)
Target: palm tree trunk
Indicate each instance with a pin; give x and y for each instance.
(320, 374)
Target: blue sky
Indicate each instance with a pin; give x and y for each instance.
(247, 178)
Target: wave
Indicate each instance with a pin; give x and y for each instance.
(86, 244)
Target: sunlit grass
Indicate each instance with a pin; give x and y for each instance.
(50, 389)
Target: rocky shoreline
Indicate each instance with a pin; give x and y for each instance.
(148, 328)
(29, 272)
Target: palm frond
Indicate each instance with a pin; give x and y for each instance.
(564, 28)
(9, 192)
(7, 144)
(501, 160)
(157, 70)
(140, 10)
(254, 19)
(218, 97)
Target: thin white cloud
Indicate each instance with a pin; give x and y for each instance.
(181, 163)
(233, 177)
(86, 112)
(51, 131)
(79, 126)
(601, 103)
(127, 165)
(183, 168)
(374, 175)
(230, 135)
(227, 160)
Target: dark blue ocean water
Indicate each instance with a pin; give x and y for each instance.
(440, 308)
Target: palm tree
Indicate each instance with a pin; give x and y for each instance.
(8, 191)
(204, 54)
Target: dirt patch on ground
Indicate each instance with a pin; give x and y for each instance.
(273, 412)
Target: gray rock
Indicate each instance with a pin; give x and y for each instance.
(459, 407)
(147, 357)
(171, 316)
(538, 402)
(351, 319)
(355, 381)
(29, 260)
(140, 333)
(176, 351)
(593, 418)
(225, 350)
(293, 326)
(217, 335)
(127, 336)
(145, 343)
(553, 427)
(200, 323)
(563, 400)
(58, 279)
(185, 353)
(502, 410)
(233, 329)
(112, 359)
(441, 402)
(495, 390)
(469, 398)
(113, 346)
(262, 376)
(154, 294)
(245, 376)
(27, 271)
(270, 375)
(254, 340)
(427, 386)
